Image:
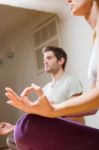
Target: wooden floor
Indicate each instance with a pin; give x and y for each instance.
(4, 148)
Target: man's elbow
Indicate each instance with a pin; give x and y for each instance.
(93, 112)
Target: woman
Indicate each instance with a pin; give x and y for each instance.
(35, 132)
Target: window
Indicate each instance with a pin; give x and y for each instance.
(44, 35)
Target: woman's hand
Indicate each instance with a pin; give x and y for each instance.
(33, 88)
(22, 103)
(40, 107)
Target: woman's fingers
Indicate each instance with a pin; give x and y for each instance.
(12, 97)
(26, 91)
(9, 90)
(33, 88)
(12, 103)
(37, 89)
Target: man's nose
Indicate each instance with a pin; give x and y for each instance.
(68, 1)
(45, 61)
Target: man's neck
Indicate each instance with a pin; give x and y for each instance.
(93, 15)
(58, 75)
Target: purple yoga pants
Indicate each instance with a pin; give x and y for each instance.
(34, 132)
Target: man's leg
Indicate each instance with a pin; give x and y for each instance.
(34, 132)
(11, 142)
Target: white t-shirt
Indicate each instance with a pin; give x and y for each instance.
(62, 89)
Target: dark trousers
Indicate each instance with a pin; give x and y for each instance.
(34, 132)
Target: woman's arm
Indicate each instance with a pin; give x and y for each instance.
(80, 104)
(84, 103)
(97, 53)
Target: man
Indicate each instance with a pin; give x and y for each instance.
(62, 86)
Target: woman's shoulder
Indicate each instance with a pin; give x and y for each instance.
(97, 26)
(96, 33)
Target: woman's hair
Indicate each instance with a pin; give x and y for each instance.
(97, 1)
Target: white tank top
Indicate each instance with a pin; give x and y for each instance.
(92, 71)
(92, 74)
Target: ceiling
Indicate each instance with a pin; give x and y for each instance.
(15, 12)
(55, 6)
(11, 17)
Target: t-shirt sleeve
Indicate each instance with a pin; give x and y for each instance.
(74, 86)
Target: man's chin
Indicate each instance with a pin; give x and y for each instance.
(47, 71)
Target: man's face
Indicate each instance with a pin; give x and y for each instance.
(80, 7)
(51, 64)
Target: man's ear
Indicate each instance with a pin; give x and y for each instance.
(61, 61)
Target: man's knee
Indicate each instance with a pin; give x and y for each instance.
(11, 142)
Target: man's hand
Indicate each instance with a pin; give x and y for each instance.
(6, 128)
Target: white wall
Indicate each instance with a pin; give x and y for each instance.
(76, 37)
(77, 40)
(20, 71)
